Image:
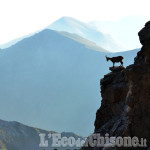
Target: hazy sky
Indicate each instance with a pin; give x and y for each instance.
(21, 17)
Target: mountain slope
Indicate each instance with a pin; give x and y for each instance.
(16, 136)
(14, 41)
(71, 25)
(48, 79)
(87, 43)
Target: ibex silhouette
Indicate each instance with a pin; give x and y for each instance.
(115, 59)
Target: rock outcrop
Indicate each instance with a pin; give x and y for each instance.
(125, 105)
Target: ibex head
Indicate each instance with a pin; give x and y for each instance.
(107, 58)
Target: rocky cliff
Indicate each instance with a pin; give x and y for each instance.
(125, 105)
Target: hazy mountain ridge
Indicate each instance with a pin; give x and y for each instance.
(72, 25)
(87, 43)
(75, 37)
(16, 136)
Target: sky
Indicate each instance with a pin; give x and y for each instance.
(21, 17)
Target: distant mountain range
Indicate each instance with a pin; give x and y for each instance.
(72, 35)
(51, 81)
(86, 31)
(114, 36)
(17, 136)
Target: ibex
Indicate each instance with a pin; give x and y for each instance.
(115, 59)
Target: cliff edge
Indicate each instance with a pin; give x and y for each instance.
(125, 105)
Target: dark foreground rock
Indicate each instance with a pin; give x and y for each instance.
(125, 105)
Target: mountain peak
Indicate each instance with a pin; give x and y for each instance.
(67, 18)
(71, 25)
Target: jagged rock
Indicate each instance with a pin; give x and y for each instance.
(144, 34)
(125, 105)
